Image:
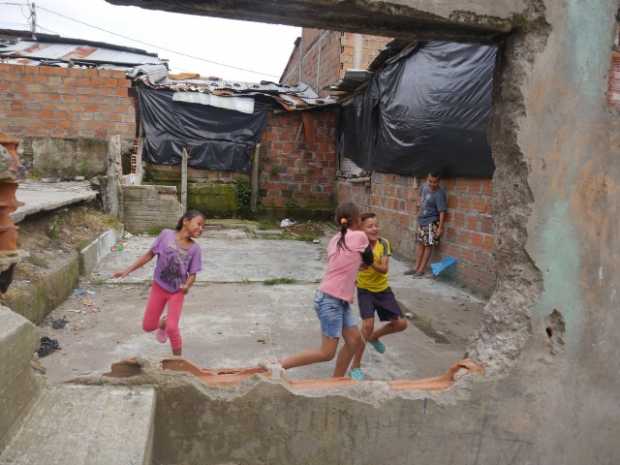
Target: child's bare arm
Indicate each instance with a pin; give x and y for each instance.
(139, 263)
(189, 283)
(382, 265)
(442, 218)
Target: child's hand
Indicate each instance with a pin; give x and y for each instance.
(184, 288)
(121, 274)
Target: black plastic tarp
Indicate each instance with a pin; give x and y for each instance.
(426, 112)
(216, 138)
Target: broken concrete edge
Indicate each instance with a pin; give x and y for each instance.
(97, 250)
(19, 384)
(26, 210)
(448, 388)
(35, 300)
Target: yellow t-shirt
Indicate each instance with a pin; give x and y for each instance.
(370, 279)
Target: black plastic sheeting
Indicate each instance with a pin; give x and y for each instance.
(426, 112)
(216, 138)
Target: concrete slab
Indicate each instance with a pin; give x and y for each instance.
(228, 257)
(39, 197)
(18, 341)
(79, 425)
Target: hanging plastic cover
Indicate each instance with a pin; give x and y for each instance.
(430, 112)
(216, 138)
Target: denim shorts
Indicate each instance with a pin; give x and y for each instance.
(334, 314)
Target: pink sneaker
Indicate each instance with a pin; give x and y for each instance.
(161, 335)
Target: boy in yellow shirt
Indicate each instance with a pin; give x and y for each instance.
(374, 294)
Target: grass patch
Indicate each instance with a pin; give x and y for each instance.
(37, 261)
(267, 224)
(154, 230)
(276, 281)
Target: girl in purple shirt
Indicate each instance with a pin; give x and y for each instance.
(178, 261)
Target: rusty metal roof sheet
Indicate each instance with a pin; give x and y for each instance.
(21, 47)
(291, 98)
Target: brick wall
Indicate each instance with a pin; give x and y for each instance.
(321, 60)
(297, 164)
(371, 46)
(326, 56)
(44, 101)
(469, 234)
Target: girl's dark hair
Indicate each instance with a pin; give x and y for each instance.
(346, 214)
(189, 215)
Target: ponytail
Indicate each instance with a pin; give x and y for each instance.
(346, 215)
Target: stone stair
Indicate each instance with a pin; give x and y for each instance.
(70, 423)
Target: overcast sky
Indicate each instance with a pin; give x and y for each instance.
(259, 47)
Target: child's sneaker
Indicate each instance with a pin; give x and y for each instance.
(357, 374)
(161, 335)
(378, 345)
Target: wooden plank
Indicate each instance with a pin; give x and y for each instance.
(254, 179)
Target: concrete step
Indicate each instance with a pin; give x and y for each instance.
(86, 425)
(18, 387)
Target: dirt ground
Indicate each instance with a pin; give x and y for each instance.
(50, 236)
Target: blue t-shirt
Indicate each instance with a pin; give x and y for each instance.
(432, 203)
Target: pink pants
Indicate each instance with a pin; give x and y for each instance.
(158, 298)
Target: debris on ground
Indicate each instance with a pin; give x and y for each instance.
(443, 264)
(79, 292)
(47, 346)
(286, 223)
(59, 323)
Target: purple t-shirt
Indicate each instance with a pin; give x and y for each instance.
(174, 263)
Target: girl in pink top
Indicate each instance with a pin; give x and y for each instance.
(345, 253)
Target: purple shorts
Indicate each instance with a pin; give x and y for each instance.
(384, 303)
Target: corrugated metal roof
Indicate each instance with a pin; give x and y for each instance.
(291, 98)
(20, 47)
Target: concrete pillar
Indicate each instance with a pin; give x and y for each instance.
(111, 192)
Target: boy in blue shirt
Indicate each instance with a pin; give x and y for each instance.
(433, 205)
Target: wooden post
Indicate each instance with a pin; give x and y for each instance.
(184, 180)
(139, 169)
(254, 180)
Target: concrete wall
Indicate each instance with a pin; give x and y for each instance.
(150, 208)
(469, 233)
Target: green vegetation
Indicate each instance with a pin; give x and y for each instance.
(276, 281)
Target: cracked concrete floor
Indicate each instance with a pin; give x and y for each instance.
(232, 319)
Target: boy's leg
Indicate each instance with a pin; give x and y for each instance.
(394, 326)
(367, 330)
(426, 256)
(353, 341)
(154, 308)
(419, 252)
(324, 354)
(175, 306)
